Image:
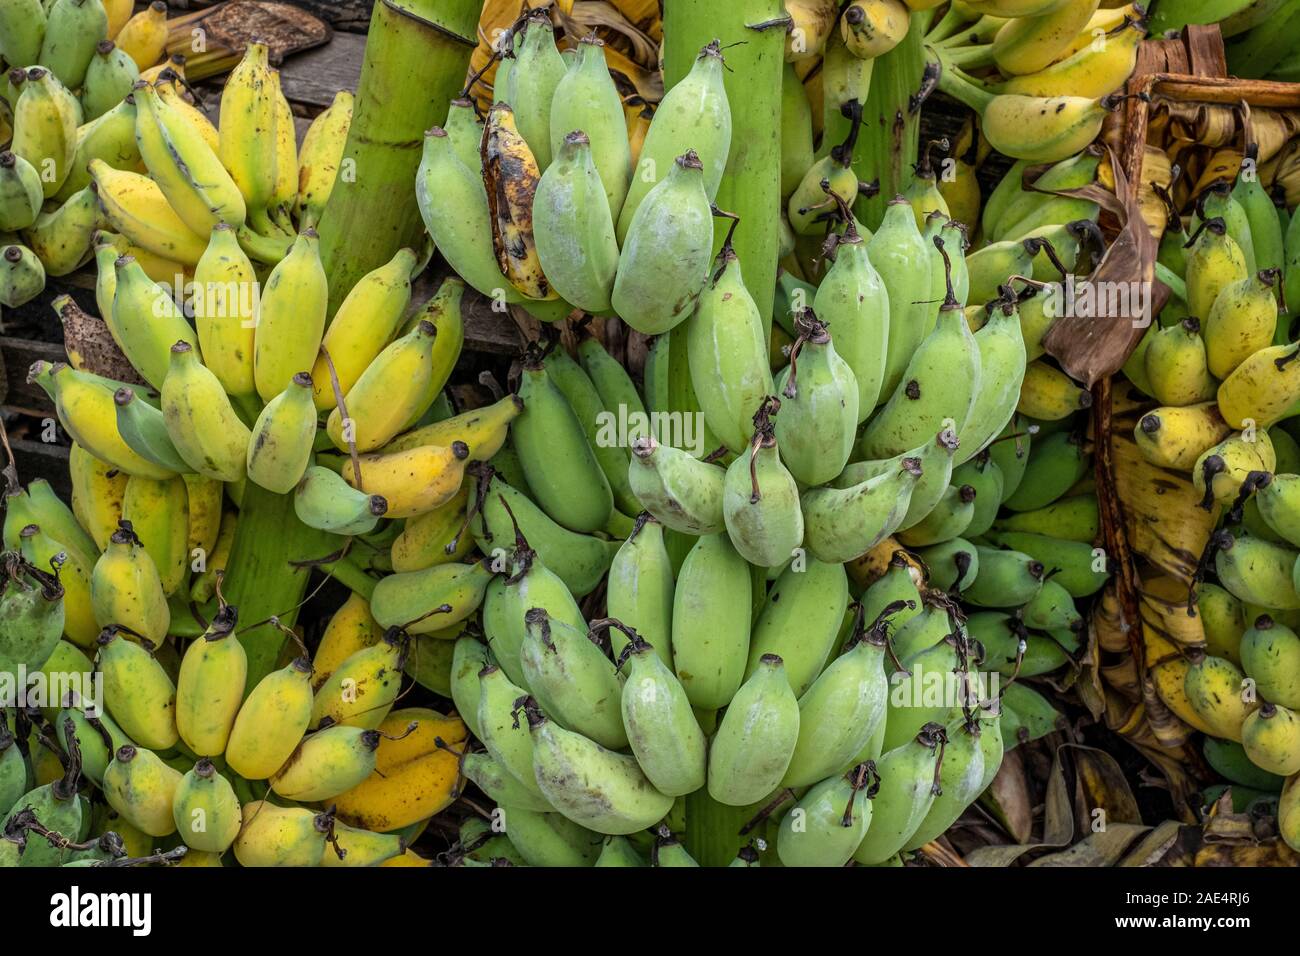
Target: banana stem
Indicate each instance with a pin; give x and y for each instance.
(1170, 278)
(753, 43)
(949, 25)
(962, 87)
(975, 56)
(417, 56)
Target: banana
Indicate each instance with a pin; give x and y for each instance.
(1214, 261)
(291, 317)
(271, 722)
(321, 156)
(1057, 462)
(411, 482)
(1263, 225)
(362, 326)
(756, 738)
(1073, 563)
(1278, 507)
(571, 677)
(806, 210)
(587, 100)
(142, 788)
(1218, 202)
(1028, 45)
(549, 839)
(328, 763)
(21, 192)
(937, 390)
(760, 500)
(146, 322)
(126, 589)
(1003, 378)
(811, 24)
(362, 689)
(871, 28)
(1221, 469)
(507, 739)
(22, 276)
(355, 847)
(205, 809)
(111, 75)
(388, 394)
(45, 128)
(842, 523)
(1006, 579)
(556, 456)
(1175, 436)
(200, 420)
(711, 621)
(285, 193)
(844, 707)
(984, 476)
(62, 238)
(594, 787)
(1048, 394)
(682, 492)
(534, 78)
(1213, 687)
(33, 613)
(86, 410)
(281, 836)
(1032, 210)
(443, 312)
(323, 500)
(665, 250)
(434, 537)
(820, 395)
(144, 35)
(1269, 653)
(1271, 737)
(226, 311)
(1099, 68)
(949, 519)
(210, 686)
(423, 602)
(641, 587)
(140, 695)
(22, 31)
(484, 430)
(1241, 322)
(97, 490)
(573, 228)
(135, 207)
(909, 781)
(159, 514)
(464, 126)
(1071, 519)
(247, 126)
(512, 173)
(144, 430)
(1256, 571)
(1262, 389)
(693, 117)
(894, 251)
(1006, 9)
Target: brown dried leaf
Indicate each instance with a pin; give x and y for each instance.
(90, 345)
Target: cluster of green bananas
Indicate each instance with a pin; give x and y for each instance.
(1218, 365)
(65, 83)
(1042, 74)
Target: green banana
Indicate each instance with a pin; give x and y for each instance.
(280, 446)
(21, 193)
(469, 656)
(490, 776)
(58, 807)
(953, 565)
(896, 251)
(842, 523)
(681, 491)
(205, 809)
(1270, 655)
(760, 501)
(818, 424)
(31, 615)
(983, 475)
(1075, 565)
(532, 83)
(909, 779)
(751, 749)
(506, 738)
(1006, 579)
(961, 777)
(1055, 463)
(572, 678)
(550, 839)
(421, 602)
(641, 586)
(936, 457)
(1002, 369)
(573, 227)
(323, 500)
(825, 827)
(110, 76)
(143, 428)
(142, 788)
(712, 605)
(800, 620)
(62, 238)
(586, 99)
(1257, 571)
(200, 420)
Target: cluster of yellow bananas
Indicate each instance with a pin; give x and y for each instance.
(1220, 366)
(70, 64)
(1042, 74)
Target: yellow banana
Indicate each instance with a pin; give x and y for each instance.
(350, 629)
(362, 326)
(144, 36)
(271, 722)
(136, 208)
(110, 138)
(362, 688)
(169, 92)
(145, 321)
(97, 491)
(811, 23)
(1048, 393)
(210, 687)
(1219, 471)
(200, 420)
(425, 539)
(320, 158)
(1102, 66)
(45, 128)
(444, 312)
(414, 778)
(175, 63)
(285, 190)
(484, 430)
(327, 763)
(139, 694)
(279, 450)
(159, 515)
(204, 584)
(1271, 737)
(872, 28)
(356, 847)
(1241, 321)
(1027, 45)
(125, 588)
(138, 785)
(412, 481)
(281, 836)
(1214, 689)
(1177, 366)
(512, 173)
(225, 307)
(1175, 436)
(119, 12)
(63, 238)
(247, 133)
(292, 317)
(389, 394)
(1263, 389)
(205, 497)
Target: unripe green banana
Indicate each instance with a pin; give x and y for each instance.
(1031, 210)
(661, 729)
(573, 227)
(138, 692)
(323, 500)
(751, 749)
(1051, 608)
(727, 354)
(110, 76)
(843, 708)
(31, 615)
(913, 701)
(1279, 506)
(421, 602)
(1075, 519)
(125, 588)
(683, 492)
(1075, 565)
(210, 686)
(937, 390)
(144, 430)
(982, 474)
(22, 276)
(200, 420)
(640, 588)
(537, 72)
(561, 468)
(572, 678)
(760, 502)
(807, 207)
(205, 809)
(506, 738)
(550, 839)
(936, 457)
(909, 777)
(596, 788)
(618, 851)
(1054, 465)
(1002, 369)
(961, 779)
(1010, 649)
(829, 821)
(952, 565)
(1257, 571)
(1218, 202)
(72, 30)
(139, 786)
(509, 597)
(1271, 737)
(62, 238)
(145, 321)
(693, 115)
(712, 605)
(469, 656)
(1270, 655)
(842, 523)
(39, 504)
(586, 99)
(666, 248)
(801, 618)
(21, 193)
(897, 252)
(22, 31)
(819, 405)
(582, 397)
(1006, 579)
(853, 300)
(490, 775)
(280, 446)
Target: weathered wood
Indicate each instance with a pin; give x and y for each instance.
(349, 15)
(35, 459)
(314, 76)
(17, 393)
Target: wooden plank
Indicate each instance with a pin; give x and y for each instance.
(314, 76)
(19, 394)
(35, 459)
(352, 16)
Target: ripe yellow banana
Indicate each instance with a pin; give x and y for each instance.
(281, 836)
(169, 90)
(285, 191)
(279, 450)
(1049, 394)
(362, 326)
(247, 133)
(210, 687)
(1262, 389)
(225, 306)
(97, 490)
(426, 538)
(362, 689)
(63, 238)
(144, 36)
(271, 722)
(1174, 437)
(139, 694)
(811, 23)
(872, 28)
(139, 786)
(1100, 67)
(412, 481)
(320, 158)
(1027, 45)
(390, 393)
(292, 314)
(484, 430)
(200, 420)
(125, 588)
(159, 515)
(351, 628)
(136, 208)
(110, 138)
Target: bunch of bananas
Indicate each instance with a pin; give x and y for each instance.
(71, 67)
(1042, 74)
(1218, 365)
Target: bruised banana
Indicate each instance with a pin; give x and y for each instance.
(512, 173)
(681, 491)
